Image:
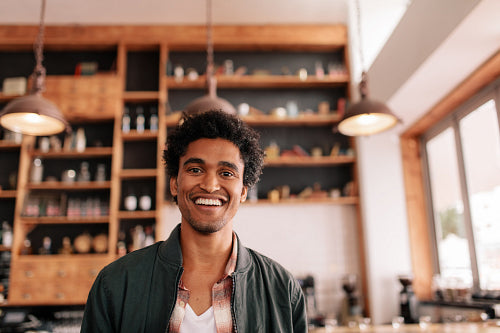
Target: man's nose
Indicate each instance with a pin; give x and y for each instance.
(210, 183)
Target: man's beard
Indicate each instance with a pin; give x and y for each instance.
(206, 228)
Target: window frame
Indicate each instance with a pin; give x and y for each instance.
(490, 92)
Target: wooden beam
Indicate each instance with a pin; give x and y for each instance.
(480, 78)
(306, 37)
(418, 226)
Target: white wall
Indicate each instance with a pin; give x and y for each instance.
(385, 224)
(315, 239)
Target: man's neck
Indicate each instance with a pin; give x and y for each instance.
(206, 252)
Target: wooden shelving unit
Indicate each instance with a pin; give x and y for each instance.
(93, 100)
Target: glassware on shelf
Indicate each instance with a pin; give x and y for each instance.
(139, 119)
(36, 171)
(100, 174)
(145, 201)
(130, 202)
(84, 174)
(126, 121)
(80, 140)
(153, 119)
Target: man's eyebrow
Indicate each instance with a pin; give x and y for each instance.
(229, 165)
(194, 160)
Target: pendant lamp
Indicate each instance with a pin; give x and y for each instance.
(32, 114)
(209, 101)
(366, 117)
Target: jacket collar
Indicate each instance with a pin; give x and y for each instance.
(170, 251)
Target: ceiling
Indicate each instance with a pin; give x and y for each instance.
(416, 50)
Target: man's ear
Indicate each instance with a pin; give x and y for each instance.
(173, 186)
(244, 192)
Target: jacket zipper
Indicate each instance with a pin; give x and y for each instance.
(233, 316)
(181, 270)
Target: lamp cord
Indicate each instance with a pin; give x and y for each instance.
(210, 52)
(363, 84)
(39, 72)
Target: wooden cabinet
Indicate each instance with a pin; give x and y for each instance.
(135, 71)
(86, 97)
(42, 280)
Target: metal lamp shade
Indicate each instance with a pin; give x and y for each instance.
(208, 103)
(367, 117)
(33, 115)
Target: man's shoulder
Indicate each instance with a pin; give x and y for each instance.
(135, 261)
(269, 265)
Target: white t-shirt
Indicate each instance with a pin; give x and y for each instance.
(204, 323)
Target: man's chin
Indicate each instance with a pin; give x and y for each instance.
(207, 228)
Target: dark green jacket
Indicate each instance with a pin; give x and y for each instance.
(137, 293)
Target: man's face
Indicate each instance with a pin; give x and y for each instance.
(209, 185)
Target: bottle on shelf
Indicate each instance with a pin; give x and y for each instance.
(6, 234)
(100, 174)
(84, 174)
(153, 119)
(139, 119)
(126, 120)
(36, 171)
(26, 249)
(149, 239)
(46, 248)
(80, 140)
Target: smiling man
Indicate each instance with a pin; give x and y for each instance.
(201, 279)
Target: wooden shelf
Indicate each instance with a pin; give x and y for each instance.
(5, 249)
(137, 214)
(141, 96)
(57, 257)
(297, 201)
(133, 135)
(260, 81)
(301, 120)
(9, 145)
(138, 173)
(267, 120)
(75, 186)
(91, 152)
(64, 220)
(8, 194)
(305, 161)
(8, 98)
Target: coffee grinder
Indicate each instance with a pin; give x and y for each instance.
(351, 307)
(407, 300)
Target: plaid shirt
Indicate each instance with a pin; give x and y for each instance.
(221, 298)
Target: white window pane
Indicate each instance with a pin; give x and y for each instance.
(452, 245)
(481, 150)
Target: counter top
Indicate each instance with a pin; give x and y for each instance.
(415, 328)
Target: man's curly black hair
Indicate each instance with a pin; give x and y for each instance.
(212, 125)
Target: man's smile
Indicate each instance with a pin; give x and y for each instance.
(208, 202)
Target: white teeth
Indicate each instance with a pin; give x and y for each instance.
(208, 202)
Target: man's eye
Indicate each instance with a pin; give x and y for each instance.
(227, 173)
(194, 170)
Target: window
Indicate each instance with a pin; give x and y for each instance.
(462, 156)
